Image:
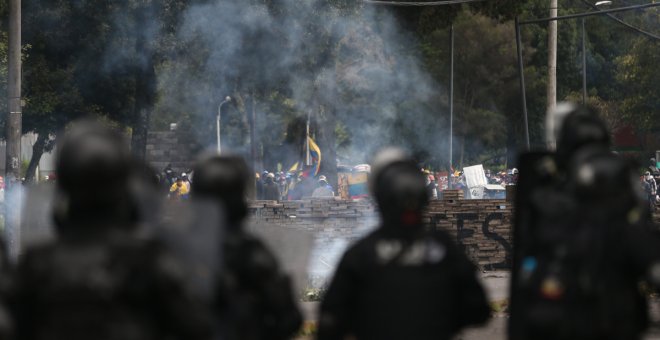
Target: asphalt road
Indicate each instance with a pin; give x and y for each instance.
(497, 288)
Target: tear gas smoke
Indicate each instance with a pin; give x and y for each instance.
(354, 60)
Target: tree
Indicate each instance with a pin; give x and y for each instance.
(485, 82)
(93, 58)
(638, 72)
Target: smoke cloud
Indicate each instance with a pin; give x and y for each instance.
(354, 60)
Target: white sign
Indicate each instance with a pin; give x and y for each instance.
(476, 181)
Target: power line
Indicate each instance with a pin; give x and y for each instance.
(648, 34)
(420, 4)
(582, 15)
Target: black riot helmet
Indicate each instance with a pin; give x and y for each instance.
(93, 169)
(399, 188)
(598, 176)
(581, 128)
(223, 179)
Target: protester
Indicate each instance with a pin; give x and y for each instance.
(295, 189)
(431, 187)
(186, 180)
(259, 195)
(653, 168)
(169, 176)
(179, 190)
(650, 189)
(271, 190)
(323, 189)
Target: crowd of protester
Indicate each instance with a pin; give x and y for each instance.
(437, 182)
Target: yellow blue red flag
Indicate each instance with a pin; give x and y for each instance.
(315, 158)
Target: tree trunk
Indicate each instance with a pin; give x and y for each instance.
(37, 151)
(251, 107)
(144, 100)
(245, 119)
(145, 94)
(551, 89)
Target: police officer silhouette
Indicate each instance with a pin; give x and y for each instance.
(255, 299)
(98, 280)
(402, 281)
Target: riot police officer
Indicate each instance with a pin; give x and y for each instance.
(402, 281)
(98, 279)
(255, 299)
(582, 243)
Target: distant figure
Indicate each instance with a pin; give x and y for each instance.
(255, 297)
(179, 190)
(431, 187)
(323, 189)
(402, 281)
(271, 189)
(307, 186)
(651, 189)
(259, 186)
(295, 189)
(170, 178)
(186, 180)
(583, 244)
(653, 169)
(98, 279)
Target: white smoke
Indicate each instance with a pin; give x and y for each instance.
(355, 60)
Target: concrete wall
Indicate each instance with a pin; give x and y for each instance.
(171, 147)
(482, 228)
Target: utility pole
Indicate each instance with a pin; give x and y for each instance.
(552, 63)
(14, 127)
(584, 63)
(451, 107)
(308, 160)
(521, 75)
(253, 134)
(554, 18)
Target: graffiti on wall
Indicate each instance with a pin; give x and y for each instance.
(463, 234)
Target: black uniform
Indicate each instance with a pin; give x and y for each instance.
(112, 287)
(6, 322)
(582, 243)
(98, 279)
(255, 299)
(402, 281)
(395, 286)
(255, 296)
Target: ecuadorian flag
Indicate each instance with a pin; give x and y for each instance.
(315, 158)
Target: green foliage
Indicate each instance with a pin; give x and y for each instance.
(24, 167)
(96, 57)
(638, 72)
(485, 81)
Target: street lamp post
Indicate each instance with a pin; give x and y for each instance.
(217, 122)
(584, 52)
